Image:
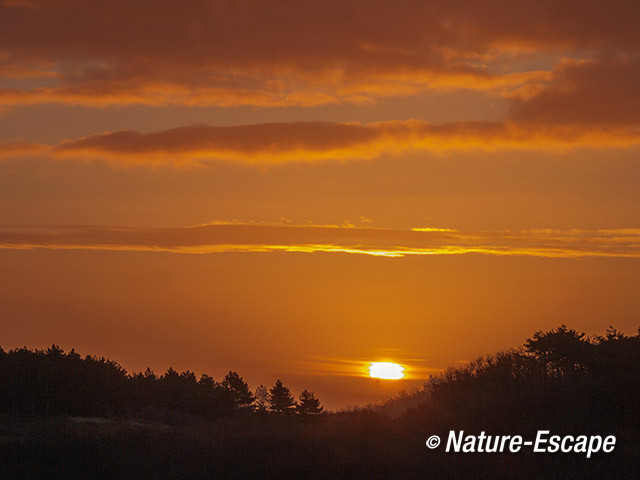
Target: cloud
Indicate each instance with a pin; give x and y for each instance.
(227, 238)
(287, 52)
(263, 143)
(601, 92)
(286, 142)
(18, 149)
(274, 143)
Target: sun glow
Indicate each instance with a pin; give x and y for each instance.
(386, 370)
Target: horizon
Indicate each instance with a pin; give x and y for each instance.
(393, 387)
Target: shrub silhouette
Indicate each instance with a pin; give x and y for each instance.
(261, 396)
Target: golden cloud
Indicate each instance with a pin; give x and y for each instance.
(228, 238)
(273, 143)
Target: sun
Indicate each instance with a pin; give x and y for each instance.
(386, 370)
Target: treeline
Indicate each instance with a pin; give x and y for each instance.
(54, 382)
(559, 379)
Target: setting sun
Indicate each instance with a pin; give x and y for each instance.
(386, 370)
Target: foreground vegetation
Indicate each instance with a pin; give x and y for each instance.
(69, 417)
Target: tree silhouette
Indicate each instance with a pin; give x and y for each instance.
(280, 399)
(561, 380)
(261, 396)
(235, 384)
(308, 404)
(563, 350)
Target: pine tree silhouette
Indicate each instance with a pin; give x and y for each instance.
(308, 404)
(235, 384)
(280, 399)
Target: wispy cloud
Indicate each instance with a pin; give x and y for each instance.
(18, 149)
(222, 238)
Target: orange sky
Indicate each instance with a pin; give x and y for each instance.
(292, 189)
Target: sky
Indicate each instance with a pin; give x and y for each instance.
(293, 189)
